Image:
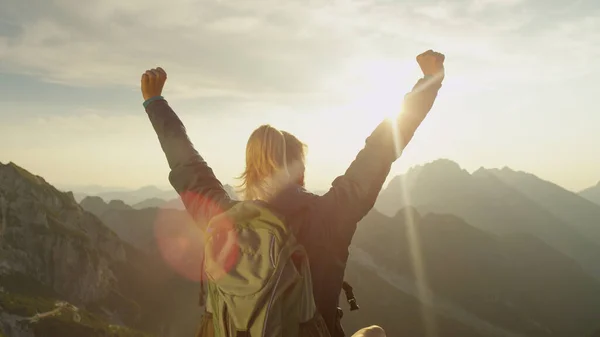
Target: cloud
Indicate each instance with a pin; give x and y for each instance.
(294, 50)
(85, 124)
(257, 47)
(482, 5)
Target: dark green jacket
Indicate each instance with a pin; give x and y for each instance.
(328, 222)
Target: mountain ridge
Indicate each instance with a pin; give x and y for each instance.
(580, 213)
(486, 201)
(592, 193)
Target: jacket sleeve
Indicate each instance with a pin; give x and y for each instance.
(201, 192)
(353, 194)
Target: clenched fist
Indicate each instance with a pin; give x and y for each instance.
(153, 81)
(432, 63)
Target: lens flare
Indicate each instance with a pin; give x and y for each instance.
(180, 242)
(223, 251)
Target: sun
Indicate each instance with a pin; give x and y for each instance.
(376, 87)
(371, 90)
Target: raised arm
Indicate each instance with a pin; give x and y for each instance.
(353, 194)
(201, 192)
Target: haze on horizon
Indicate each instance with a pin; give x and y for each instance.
(520, 88)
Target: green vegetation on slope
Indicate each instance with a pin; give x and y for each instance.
(64, 323)
(26, 297)
(20, 283)
(24, 306)
(35, 180)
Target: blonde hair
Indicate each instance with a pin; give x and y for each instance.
(274, 159)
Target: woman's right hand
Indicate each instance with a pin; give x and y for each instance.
(153, 81)
(432, 64)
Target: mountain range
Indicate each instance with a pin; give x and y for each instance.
(592, 193)
(147, 196)
(493, 253)
(502, 202)
(130, 197)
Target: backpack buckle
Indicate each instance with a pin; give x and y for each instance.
(348, 291)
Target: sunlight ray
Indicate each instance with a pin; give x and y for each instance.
(413, 236)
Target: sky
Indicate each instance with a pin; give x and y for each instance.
(520, 88)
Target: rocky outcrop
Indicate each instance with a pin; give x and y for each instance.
(64, 273)
(53, 250)
(46, 235)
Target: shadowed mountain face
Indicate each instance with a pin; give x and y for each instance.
(400, 313)
(592, 194)
(500, 203)
(516, 283)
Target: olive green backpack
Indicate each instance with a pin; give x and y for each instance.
(258, 275)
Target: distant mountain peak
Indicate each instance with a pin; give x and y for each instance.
(439, 167)
(231, 191)
(118, 204)
(444, 161)
(97, 206)
(149, 188)
(445, 166)
(440, 170)
(93, 198)
(408, 212)
(442, 164)
(507, 172)
(481, 171)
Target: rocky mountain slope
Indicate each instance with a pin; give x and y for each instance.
(64, 273)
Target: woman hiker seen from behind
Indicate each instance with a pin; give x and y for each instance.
(274, 174)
